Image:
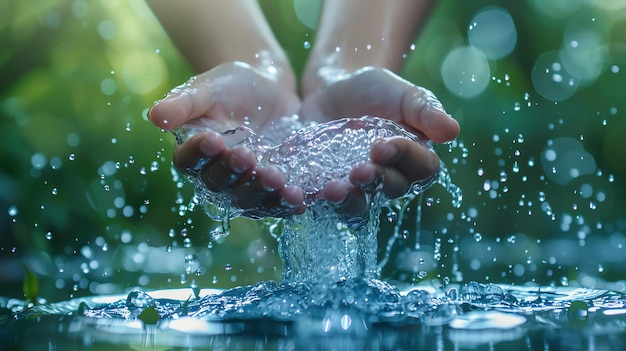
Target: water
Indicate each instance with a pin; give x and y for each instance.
(327, 256)
(469, 316)
(309, 157)
(331, 294)
(532, 213)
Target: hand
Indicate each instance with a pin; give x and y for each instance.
(224, 98)
(378, 92)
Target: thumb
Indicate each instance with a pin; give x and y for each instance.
(183, 103)
(423, 111)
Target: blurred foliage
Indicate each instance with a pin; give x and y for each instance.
(88, 198)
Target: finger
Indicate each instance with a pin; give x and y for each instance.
(194, 153)
(423, 111)
(374, 178)
(183, 103)
(350, 200)
(414, 160)
(230, 167)
(293, 197)
(261, 183)
(264, 194)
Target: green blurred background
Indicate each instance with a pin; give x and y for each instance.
(89, 202)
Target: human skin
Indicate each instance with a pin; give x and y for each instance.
(351, 72)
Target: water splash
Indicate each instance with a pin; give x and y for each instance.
(329, 258)
(310, 158)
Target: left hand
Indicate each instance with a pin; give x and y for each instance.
(381, 93)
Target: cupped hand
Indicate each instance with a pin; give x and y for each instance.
(222, 99)
(398, 162)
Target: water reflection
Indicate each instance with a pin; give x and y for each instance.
(476, 316)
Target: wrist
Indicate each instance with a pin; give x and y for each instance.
(274, 67)
(326, 65)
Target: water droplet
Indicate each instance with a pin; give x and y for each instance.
(49, 235)
(503, 176)
(192, 263)
(228, 267)
(13, 211)
(515, 167)
(392, 216)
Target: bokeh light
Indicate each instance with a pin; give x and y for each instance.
(565, 159)
(308, 12)
(558, 8)
(465, 72)
(585, 51)
(550, 78)
(493, 32)
(143, 72)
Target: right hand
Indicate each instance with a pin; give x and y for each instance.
(226, 97)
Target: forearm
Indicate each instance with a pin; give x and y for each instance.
(356, 33)
(211, 32)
